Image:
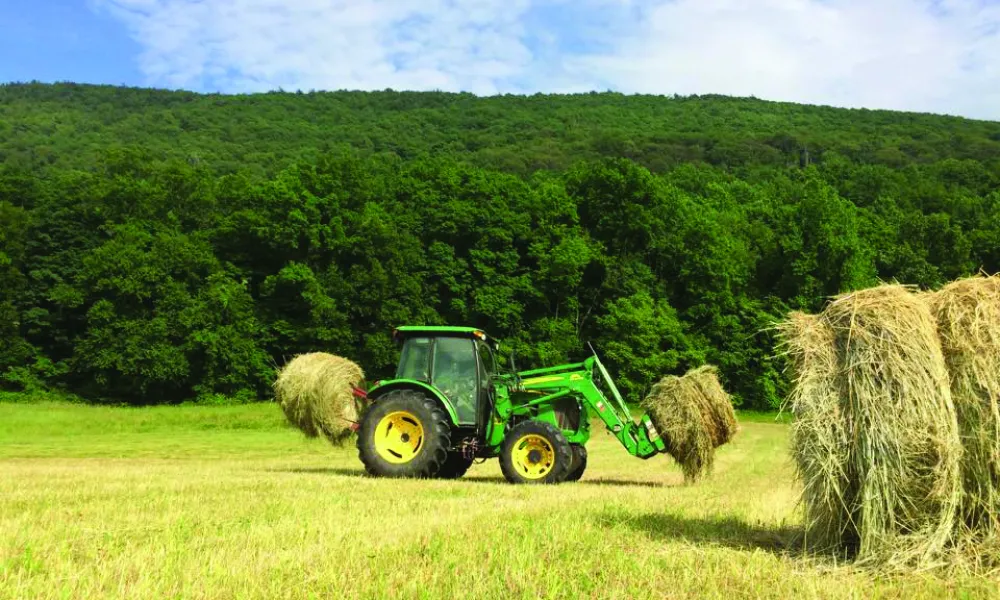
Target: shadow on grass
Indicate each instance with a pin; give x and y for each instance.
(625, 483)
(729, 532)
(323, 471)
(361, 473)
(482, 479)
(347, 472)
(600, 482)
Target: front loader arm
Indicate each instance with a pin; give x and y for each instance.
(639, 439)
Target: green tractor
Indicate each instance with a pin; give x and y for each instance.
(450, 404)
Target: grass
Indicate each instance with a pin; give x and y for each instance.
(229, 502)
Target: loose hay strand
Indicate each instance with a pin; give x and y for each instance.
(694, 415)
(315, 391)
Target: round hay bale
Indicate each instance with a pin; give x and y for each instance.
(715, 404)
(819, 437)
(315, 391)
(694, 415)
(888, 473)
(968, 320)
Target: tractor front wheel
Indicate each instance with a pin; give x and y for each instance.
(535, 452)
(404, 434)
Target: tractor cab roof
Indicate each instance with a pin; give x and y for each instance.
(406, 331)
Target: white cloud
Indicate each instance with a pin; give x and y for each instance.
(939, 56)
(897, 54)
(252, 45)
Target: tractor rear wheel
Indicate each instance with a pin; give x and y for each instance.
(404, 434)
(535, 452)
(455, 465)
(579, 463)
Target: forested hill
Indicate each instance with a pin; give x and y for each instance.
(164, 246)
(71, 126)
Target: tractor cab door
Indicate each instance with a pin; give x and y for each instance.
(487, 369)
(455, 373)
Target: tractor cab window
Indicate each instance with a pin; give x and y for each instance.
(455, 375)
(415, 360)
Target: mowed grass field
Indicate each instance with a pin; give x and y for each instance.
(229, 502)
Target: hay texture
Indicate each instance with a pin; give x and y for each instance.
(315, 393)
(876, 439)
(968, 318)
(818, 432)
(694, 415)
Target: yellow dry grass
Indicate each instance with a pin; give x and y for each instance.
(198, 502)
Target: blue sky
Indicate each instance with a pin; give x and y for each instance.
(938, 56)
(65, 40)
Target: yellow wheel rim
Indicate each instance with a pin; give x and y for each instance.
(533, 456)
(399, 437)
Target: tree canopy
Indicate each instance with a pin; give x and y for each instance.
(163, 246)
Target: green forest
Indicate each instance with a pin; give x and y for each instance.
(163, 247)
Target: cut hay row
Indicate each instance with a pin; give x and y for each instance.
(315, 391)
(896, 436)
(694, 415)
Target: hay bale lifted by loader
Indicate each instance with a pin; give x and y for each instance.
(450, 403)
(695, 416)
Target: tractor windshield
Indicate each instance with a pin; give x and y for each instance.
(455, 375)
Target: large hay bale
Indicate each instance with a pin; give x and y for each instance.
(315, 391)
(968, 318)
(819, 436)
(694, 415)
(890, 477)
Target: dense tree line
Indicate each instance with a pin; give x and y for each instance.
(55, 127)
(158, 247)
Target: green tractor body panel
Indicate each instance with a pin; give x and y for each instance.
(496, 426)
(384, 387)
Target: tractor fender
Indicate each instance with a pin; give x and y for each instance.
(412, 384)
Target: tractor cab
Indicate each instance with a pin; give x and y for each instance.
(458, 362)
